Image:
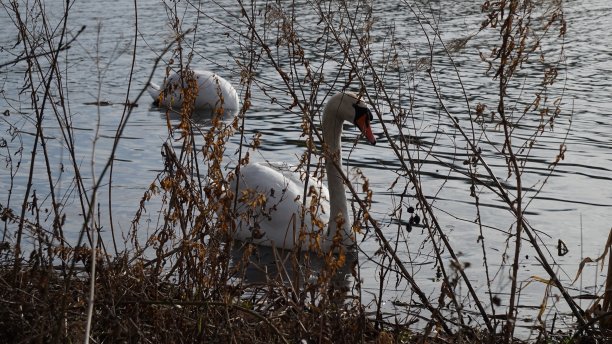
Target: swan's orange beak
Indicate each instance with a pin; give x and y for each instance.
(363, 123)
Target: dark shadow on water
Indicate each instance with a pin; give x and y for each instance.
(267, 264)
(200, 117)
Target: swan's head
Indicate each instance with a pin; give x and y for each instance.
(348, 107)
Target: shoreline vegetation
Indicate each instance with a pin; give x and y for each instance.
(183, 279)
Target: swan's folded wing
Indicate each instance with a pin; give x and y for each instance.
(154, 90)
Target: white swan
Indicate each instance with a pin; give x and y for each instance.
(213, 92)
(277, 222)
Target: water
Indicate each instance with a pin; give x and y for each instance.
(572, 206)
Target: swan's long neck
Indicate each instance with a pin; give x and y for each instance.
(332, 133)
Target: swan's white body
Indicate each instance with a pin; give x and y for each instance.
(277, 222)
(213, 91)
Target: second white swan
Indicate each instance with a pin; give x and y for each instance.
(213, 92)
(274, 219)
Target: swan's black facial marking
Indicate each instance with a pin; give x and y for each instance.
(362, 111)
(363, 116)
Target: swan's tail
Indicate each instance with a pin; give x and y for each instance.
(154, 90)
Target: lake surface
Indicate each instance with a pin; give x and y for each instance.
(573, 205)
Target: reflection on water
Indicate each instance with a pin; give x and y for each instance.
(262, 264)
(572, 205)
(200, 117)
